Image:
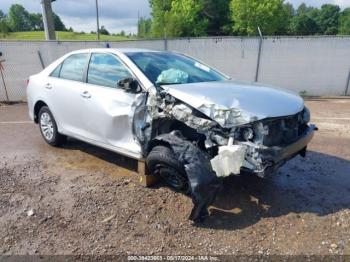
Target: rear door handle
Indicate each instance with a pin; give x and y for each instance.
(86, 94)
(48, 86)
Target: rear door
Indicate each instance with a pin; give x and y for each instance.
(67, 95)
(110, 107)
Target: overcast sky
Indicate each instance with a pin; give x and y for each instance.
(115, 15)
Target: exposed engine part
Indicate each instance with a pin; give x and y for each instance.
(229, 160)
(248, 134)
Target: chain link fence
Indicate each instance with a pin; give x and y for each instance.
(311, 65)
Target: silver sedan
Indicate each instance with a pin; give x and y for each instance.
(192, 124)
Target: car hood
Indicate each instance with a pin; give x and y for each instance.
(234, 103)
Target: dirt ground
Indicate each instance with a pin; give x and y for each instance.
(84, 200)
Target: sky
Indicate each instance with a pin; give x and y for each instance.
(115, 15)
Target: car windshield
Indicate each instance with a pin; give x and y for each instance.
(163, 68)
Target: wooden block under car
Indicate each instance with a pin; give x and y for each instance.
(145, 178)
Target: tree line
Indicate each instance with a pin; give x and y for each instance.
(19, 19)
(184, 18)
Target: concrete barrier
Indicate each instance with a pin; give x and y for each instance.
(317, 66)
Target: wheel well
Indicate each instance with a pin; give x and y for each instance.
(164, 126)
(37, 108)
(155, 143)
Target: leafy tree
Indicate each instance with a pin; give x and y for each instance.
(19, 18)
(221, 17)
(328, 19)
(172, 18)
(159, 10)
(59, 25)
(344, 25)
(4, 29)
(217, 12)
(186, 19)
(144, 28)
(103, 30)
(288, 12)
(248, 15)
(304, 25)
(305, 21)
(36, 22)
(2, 15)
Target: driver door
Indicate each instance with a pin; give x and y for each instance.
(110, 108)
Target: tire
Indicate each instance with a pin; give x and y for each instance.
(48, 128)
(161, 161)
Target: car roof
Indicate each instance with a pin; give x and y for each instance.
(114, 50)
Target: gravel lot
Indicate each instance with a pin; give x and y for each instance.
(84, 200)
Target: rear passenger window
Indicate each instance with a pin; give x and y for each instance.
(73, 67)
(106, 70)
(56, 72)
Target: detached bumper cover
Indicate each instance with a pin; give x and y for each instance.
(278, 154)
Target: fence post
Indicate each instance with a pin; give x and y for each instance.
(41, 60)
(165, 44)
(3, 80)
(259, 55)
(347, 85)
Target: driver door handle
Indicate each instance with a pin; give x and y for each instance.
(85, 94)
(48, 86)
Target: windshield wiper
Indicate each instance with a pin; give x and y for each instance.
(166, 83)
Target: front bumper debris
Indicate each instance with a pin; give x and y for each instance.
(258, 159)
(271, 158)
(278, 154)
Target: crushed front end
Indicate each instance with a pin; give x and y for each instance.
(213, 141)
(267, 144)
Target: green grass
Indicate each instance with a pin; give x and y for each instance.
(39, 35)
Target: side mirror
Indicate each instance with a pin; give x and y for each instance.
(129, 84)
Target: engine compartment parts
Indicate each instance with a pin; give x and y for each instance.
(229, 160)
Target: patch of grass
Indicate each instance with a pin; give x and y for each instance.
(40, 35)
(303, 94)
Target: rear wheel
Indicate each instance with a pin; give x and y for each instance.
(48, 128)
(161, 161)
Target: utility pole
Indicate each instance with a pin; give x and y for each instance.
(97, 22)
(49, 25)
(138, 23)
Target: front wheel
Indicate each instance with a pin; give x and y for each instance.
(161, 161)
(48, 128)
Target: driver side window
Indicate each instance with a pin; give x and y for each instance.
(106, 70)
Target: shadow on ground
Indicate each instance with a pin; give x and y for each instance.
(318, 184)
(102, 154)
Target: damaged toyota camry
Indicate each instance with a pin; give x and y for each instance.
(192, 124)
